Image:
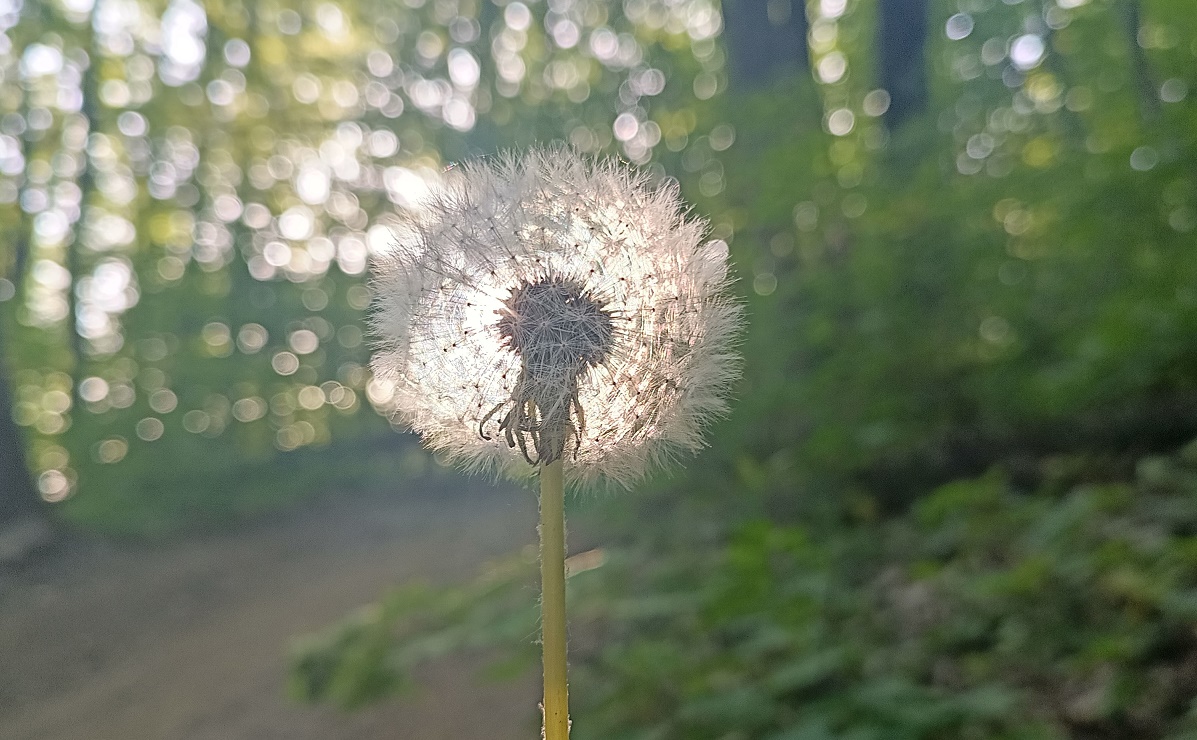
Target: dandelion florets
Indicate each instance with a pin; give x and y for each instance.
(556, 326)
(551, 306)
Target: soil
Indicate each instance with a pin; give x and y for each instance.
(188, 639)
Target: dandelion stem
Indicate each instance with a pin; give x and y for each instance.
(552, 604)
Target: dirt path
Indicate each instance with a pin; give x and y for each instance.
(187, 641)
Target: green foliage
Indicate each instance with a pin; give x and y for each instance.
(983, 612)
(373, 653)
(1006, 270)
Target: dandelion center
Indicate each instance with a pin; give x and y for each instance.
(557, 328)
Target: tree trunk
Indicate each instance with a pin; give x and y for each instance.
(24, 525)
(87, 187)
(24, 520)
(765, 40)
(1149, 100)
(18, 495)
(901, 59)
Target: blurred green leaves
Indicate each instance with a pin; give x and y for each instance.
(984, 612)
(190, 194)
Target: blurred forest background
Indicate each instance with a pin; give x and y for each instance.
(958, 495)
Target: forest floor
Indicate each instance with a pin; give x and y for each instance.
(187, 639)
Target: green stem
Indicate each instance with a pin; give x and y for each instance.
(552, 603)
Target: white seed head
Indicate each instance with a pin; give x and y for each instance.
(549, 305)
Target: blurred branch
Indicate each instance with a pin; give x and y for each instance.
(1149, 102)
(31, 17)
(24, 231)
(87, 187)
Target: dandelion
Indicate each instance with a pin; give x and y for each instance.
(552, 306)
(555, 314)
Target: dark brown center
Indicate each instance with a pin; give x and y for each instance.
(557, 328)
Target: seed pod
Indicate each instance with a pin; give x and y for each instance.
(551, 305)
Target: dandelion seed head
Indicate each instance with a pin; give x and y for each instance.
(549, 305)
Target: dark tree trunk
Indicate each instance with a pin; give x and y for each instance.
(765, 40)
(25, 525)
(18, 495)
(87, 187)
(1149, 101)
(901, 58)
(24, 520)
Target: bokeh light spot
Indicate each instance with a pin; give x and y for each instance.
(284, 363)
(304, 341)
(1027, 51)
(150, 429)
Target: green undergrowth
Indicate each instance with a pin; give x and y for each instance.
(984, 611)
